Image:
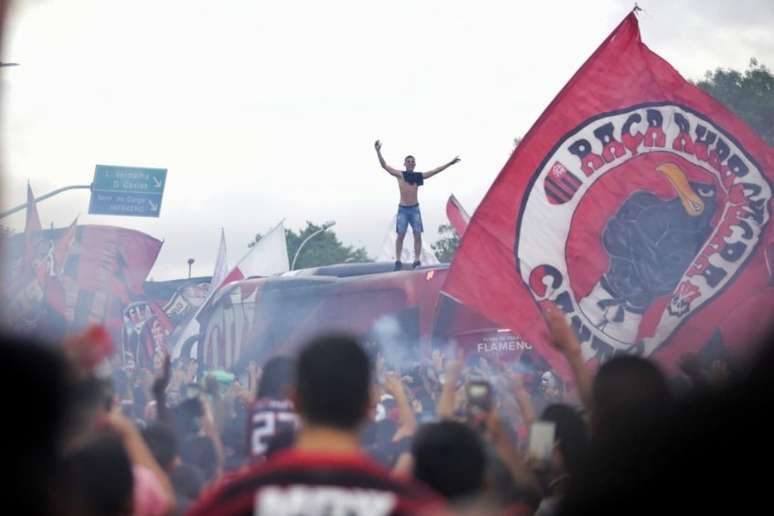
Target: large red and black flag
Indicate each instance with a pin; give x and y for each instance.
(104, 272)
(80, 275)
(638, 204)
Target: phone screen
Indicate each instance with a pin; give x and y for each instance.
(478, 391)
(541, 440)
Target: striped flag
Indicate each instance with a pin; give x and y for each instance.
(560, 184)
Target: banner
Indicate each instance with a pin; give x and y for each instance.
(639, 205)
(84, 275)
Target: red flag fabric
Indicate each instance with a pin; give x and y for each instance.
(104, 271)
(63, 246)
(457, 215)
(87, 276)
(638, 204)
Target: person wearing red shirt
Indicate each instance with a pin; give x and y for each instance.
(326, 472)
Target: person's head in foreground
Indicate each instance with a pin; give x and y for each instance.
(450, 458)
(37, 406)
(571, 445)
(333, 384)
(325, 472)
(628, 391)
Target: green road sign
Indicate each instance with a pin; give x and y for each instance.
(129, 191)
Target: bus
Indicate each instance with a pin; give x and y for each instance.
(256, 318)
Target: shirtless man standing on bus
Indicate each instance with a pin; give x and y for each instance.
(408, 209)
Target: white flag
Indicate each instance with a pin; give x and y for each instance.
(267, 257)
(221, 262)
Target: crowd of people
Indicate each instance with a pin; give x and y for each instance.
(337, 429)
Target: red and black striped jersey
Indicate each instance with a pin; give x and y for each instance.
(302, 483)
(267, 419)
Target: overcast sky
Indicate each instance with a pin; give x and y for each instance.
(268, 110)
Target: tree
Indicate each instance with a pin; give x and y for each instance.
(323, 249)
(750, 95)
(447, 243)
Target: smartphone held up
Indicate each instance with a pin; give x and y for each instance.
(541, 441)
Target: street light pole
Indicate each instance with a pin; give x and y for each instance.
(325, 226)
(43, 197)
(190, 263)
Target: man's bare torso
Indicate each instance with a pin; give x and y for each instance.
(408, 192)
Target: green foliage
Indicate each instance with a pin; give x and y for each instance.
(323, 249)
(447, 243)
(750, 95)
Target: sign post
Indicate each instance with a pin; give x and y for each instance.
(128, 191)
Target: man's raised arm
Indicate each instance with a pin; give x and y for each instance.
(441, 168)
(385, 166)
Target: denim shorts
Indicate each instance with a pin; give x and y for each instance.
(408, 215)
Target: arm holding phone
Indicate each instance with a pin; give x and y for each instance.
(523, 399)
(514, 382)
(509, 453)
(446, 402)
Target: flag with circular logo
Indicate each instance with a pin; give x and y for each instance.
(639, 205)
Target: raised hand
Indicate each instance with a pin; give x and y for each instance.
(564, 339)
(455, 160)
(161, 382)
(393, 384)
(437, 360)
(453, 369)
(378, 145)
(562, 335)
